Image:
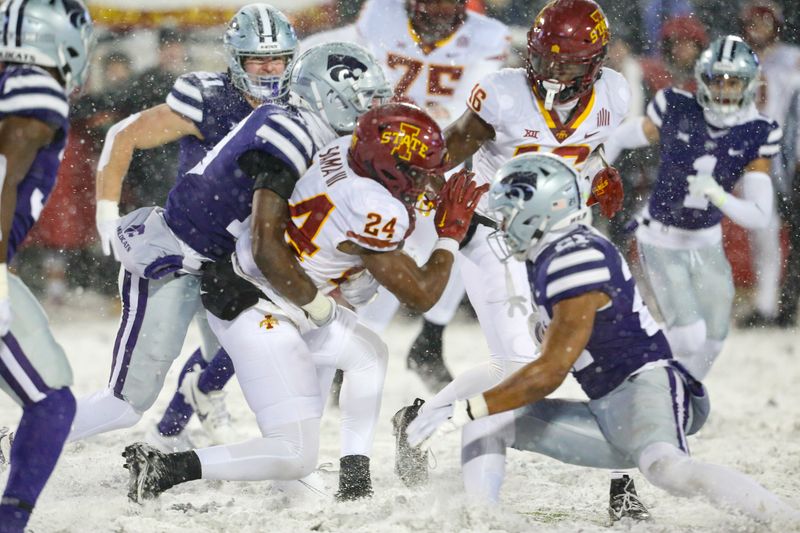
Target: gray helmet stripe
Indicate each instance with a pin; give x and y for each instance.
(20, 19)
(260, 24)
(263, 16)
(13, 20)
(726, 52)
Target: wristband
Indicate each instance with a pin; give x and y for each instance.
(318, 309)
(107, 210)
(3, 281)
(477, 408)
(446, 243)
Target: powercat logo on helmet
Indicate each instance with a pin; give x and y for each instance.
(406, 142)
(342, 67)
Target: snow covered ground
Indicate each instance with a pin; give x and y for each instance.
(754, 427)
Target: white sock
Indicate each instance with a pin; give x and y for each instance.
(101, 412)
(286, 452)
(672, 470)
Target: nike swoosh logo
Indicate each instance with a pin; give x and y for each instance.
(592, 134)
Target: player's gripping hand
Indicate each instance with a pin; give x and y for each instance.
(706, 185)
(359, 289)
(437, 421)
(607, 191)
(321, 310)
(106, 218)
(456, 203)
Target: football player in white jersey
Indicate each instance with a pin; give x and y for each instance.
(351, 212)
(564, 102)
(761, 22)
(434, 52)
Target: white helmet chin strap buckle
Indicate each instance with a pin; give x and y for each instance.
(552, 88)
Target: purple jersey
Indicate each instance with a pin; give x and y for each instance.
(29, 91)
(625, 336)
(688, 143)
(208, 208)
(210, 100)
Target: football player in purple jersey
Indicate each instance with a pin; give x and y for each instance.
(709, 142)
(199, 111)
(44, 48)
(642, 402)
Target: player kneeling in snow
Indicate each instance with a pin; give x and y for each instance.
(642, 402)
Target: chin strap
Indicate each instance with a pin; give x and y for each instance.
(551, 91)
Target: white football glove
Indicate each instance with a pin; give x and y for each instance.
(359, 289)
(106, 218)
(706, 185)
(437, 421)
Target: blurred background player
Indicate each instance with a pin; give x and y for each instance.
(199, 111)
(434, 52)
(709, 141)
(641, 405)
(777, 98)
(45, 53)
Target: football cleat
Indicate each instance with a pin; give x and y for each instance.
(624, 502)
(6, 440)
(354, 479)
(149, 474)
(425, 358)
(169, 443)
(410, 463)
(210, 408)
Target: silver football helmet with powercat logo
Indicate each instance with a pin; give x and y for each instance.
(49, 33)
(260, 30)
(532, 195)
(340, 81)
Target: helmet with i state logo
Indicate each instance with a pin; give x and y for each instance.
(401, 147)
(566, 47)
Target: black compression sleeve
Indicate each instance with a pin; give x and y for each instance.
(268, 172)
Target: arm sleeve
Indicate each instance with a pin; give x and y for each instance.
(629, 135)
(268, 172)
(754, 209)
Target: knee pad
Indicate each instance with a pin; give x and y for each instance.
(687, 339)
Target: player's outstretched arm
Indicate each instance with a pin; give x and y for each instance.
(465, 136)
(150, 128)
(565, 339)
(633, 133)
(20, 141)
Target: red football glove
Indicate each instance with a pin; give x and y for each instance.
(456, 202)
(607, 191)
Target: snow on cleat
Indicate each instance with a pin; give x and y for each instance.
(354, 479)
(168, 443)
(147, 470)
(410, 463)
(6, 440)
(624, 502)
(210, 408)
